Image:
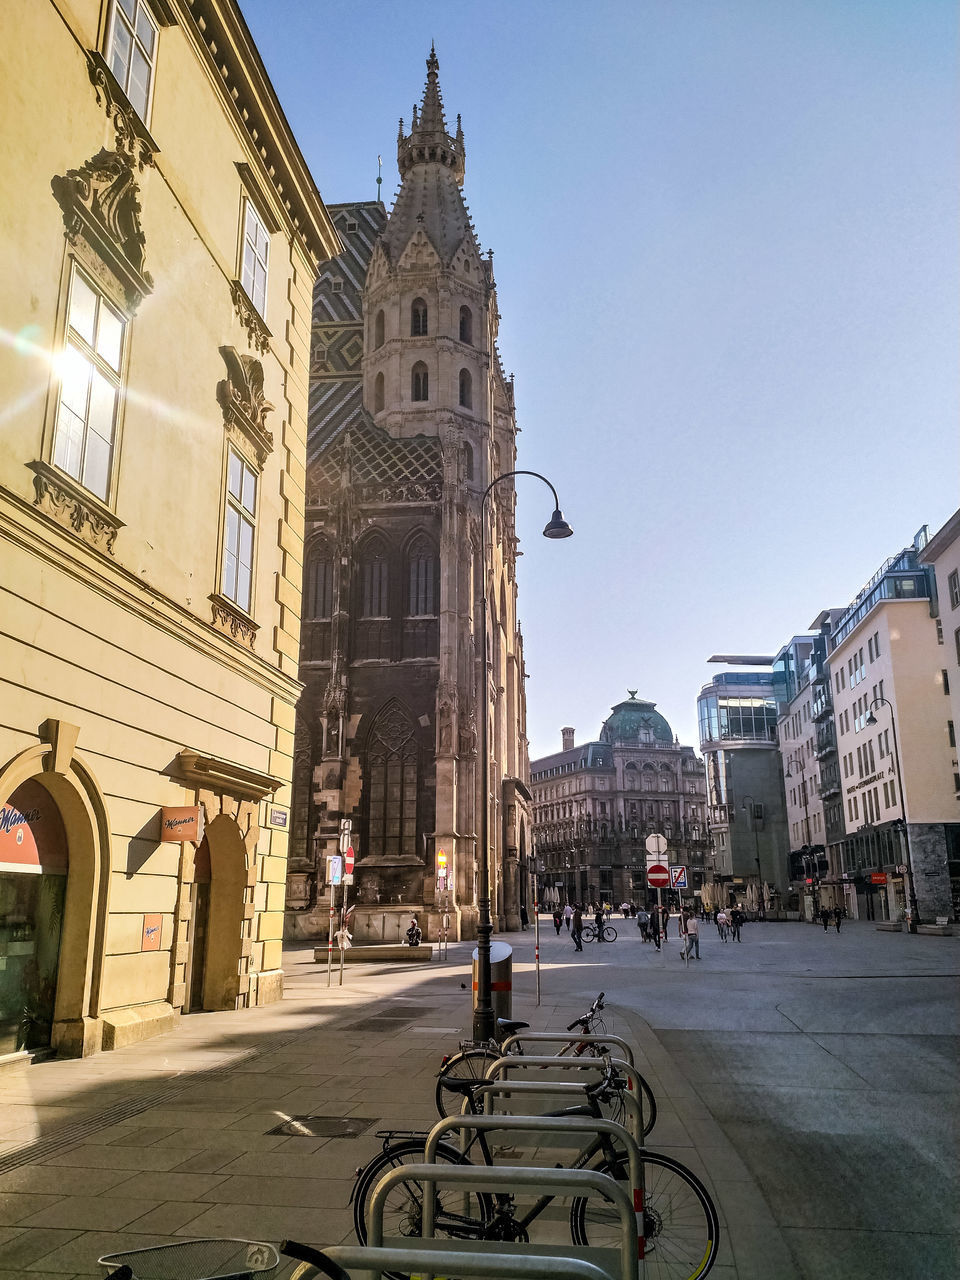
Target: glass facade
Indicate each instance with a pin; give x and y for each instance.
(745, 719)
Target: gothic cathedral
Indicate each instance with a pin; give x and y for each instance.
(411, 417)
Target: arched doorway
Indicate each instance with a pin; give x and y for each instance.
(33, 883)
(217, 924)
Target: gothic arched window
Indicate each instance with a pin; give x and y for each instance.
(466, 389)
(466, 325)
(421, 578)
(374, 580)
(391, 762)
(378, 393)
(419, 382)
(378, 330)
(318, 583)
(418, 318)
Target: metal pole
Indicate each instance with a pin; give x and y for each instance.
(343, 928)
(330, 939)
(914, 909)
(536, 932)
(483, 1019)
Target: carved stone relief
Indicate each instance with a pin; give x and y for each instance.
(74, 508)
(133, 140)
(233, 623)
(258, 335)
(100, 205)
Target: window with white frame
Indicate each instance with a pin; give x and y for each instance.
(132, 51)
(256, 257)
(90, 384)
(239, 526)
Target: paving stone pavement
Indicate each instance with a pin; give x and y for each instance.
(180, 1136)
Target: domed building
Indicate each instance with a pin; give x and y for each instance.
(594, 805)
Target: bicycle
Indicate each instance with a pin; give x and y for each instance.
(210, 1259)
(591, 933)
(473, 1059)
(680, 1226)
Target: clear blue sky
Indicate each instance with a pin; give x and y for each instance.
(725, 238)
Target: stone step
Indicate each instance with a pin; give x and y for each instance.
(378, 953)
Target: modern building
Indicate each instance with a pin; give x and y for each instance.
(746, 809)
(163, 235)
(595, 804)
(896, 743)
(411, 418)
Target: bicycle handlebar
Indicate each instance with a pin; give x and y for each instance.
(594, 1008)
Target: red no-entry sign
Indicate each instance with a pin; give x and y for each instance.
(348, 861)
(658, 876)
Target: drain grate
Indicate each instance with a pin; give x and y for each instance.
(324, 1126)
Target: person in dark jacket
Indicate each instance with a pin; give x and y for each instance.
(557, 920)
(576, 930)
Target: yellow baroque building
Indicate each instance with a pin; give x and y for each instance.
(162, 236)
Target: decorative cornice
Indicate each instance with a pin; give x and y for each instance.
(258, 335)
(61, 498)
(223, 776)
(232, 621)
(240, 396)
(100, 205)
(133, 139)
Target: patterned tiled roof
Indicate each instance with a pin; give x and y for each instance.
(377, 466)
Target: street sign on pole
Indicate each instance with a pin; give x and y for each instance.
(346, 824)
(678, 877)
(658, 876)
(656, 845)
(348, 857)
(334, 868)
(344, 841)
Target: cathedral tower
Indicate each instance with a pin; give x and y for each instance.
(411, 417)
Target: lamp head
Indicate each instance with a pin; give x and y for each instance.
(788, 774)
(871, 719)
(558, 527)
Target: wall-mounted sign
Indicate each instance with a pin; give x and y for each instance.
(32, 836)
(151, 932)
(185, 823)
(278, 817)
(878, 877)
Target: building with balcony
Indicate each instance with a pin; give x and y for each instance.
(595, 803)
(746, 812)
(896, 744)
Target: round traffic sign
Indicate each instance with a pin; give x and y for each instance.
(658, 877)
(656, 844)
(348, 861)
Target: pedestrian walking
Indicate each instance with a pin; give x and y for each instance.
(655, 926)
(524, 918)
(723, 923)
(557, 920)
(692, 939)
(737, 921)
(825, 918)
(576, 931)
(664, 921)
(838, 917)
(567, 915)
(643, 924)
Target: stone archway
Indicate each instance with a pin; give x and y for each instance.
(77, 1028)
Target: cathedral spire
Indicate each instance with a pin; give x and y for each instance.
(428, 141)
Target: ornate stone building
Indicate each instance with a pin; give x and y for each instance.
(595, 804)
(163, 237)
(411, 417)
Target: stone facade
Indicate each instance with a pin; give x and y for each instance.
(411, 418)
(595, 804)
(167, 236)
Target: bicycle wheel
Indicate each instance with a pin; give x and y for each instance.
(458, 1214)
(589, 933)
(468, 1064)
(609, 933)
(680, 1225)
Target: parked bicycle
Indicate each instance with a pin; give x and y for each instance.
(474, 1057)
(680, 1224)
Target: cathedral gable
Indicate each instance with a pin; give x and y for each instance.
(419, 255)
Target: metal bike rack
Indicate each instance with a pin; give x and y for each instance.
(524, 1062)
(509, 1178)
(563, 1037)
(543, 1124)
(490, 1089)
(463, 1261)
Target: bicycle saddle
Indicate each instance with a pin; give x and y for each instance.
(456, 1085)
(508, 1027)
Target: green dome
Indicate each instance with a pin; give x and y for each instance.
(634, 723)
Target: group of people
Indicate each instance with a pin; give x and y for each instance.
(836, 915)
(729, 923)
(571, 915)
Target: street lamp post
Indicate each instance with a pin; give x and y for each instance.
(872, 720)
(483, 1021)
(756, 845)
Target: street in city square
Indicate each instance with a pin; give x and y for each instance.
(809, 1077)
